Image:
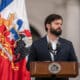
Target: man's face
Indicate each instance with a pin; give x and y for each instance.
(56, 27)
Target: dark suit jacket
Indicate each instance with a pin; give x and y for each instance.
(40, 52)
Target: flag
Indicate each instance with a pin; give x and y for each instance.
(14, 29)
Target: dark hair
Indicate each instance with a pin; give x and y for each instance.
(50, 18)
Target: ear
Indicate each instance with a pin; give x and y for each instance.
(48, 26)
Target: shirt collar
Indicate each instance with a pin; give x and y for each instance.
(51, 41)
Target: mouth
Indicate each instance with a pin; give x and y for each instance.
(59, 29)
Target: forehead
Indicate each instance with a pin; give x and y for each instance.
(57, 21)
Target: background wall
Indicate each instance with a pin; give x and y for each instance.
(69, 9)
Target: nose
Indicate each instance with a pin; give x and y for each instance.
(60, 25)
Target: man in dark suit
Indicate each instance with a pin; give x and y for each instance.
(52, 47)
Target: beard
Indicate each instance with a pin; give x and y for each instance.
(57, 32)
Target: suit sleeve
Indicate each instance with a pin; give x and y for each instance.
(31, 56)
(72, 54)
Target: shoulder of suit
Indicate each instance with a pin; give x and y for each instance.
(39, 40)
(65, 41)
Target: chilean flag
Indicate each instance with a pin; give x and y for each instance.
(13, 20)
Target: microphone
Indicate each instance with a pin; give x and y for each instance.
(51, 50)
(54, 51)
(50, 47)
(58, 47)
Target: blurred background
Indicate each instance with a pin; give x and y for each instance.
(37, 10)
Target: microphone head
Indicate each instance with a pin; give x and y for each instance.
(58, 46)
(50, 46)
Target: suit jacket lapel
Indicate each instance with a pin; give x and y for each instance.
(59, 51)
(45, 44)
(60, 46)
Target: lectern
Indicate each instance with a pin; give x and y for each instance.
(48, 68)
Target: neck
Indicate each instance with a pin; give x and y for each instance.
(52, 37)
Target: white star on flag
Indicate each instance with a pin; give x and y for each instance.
(11, 36)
